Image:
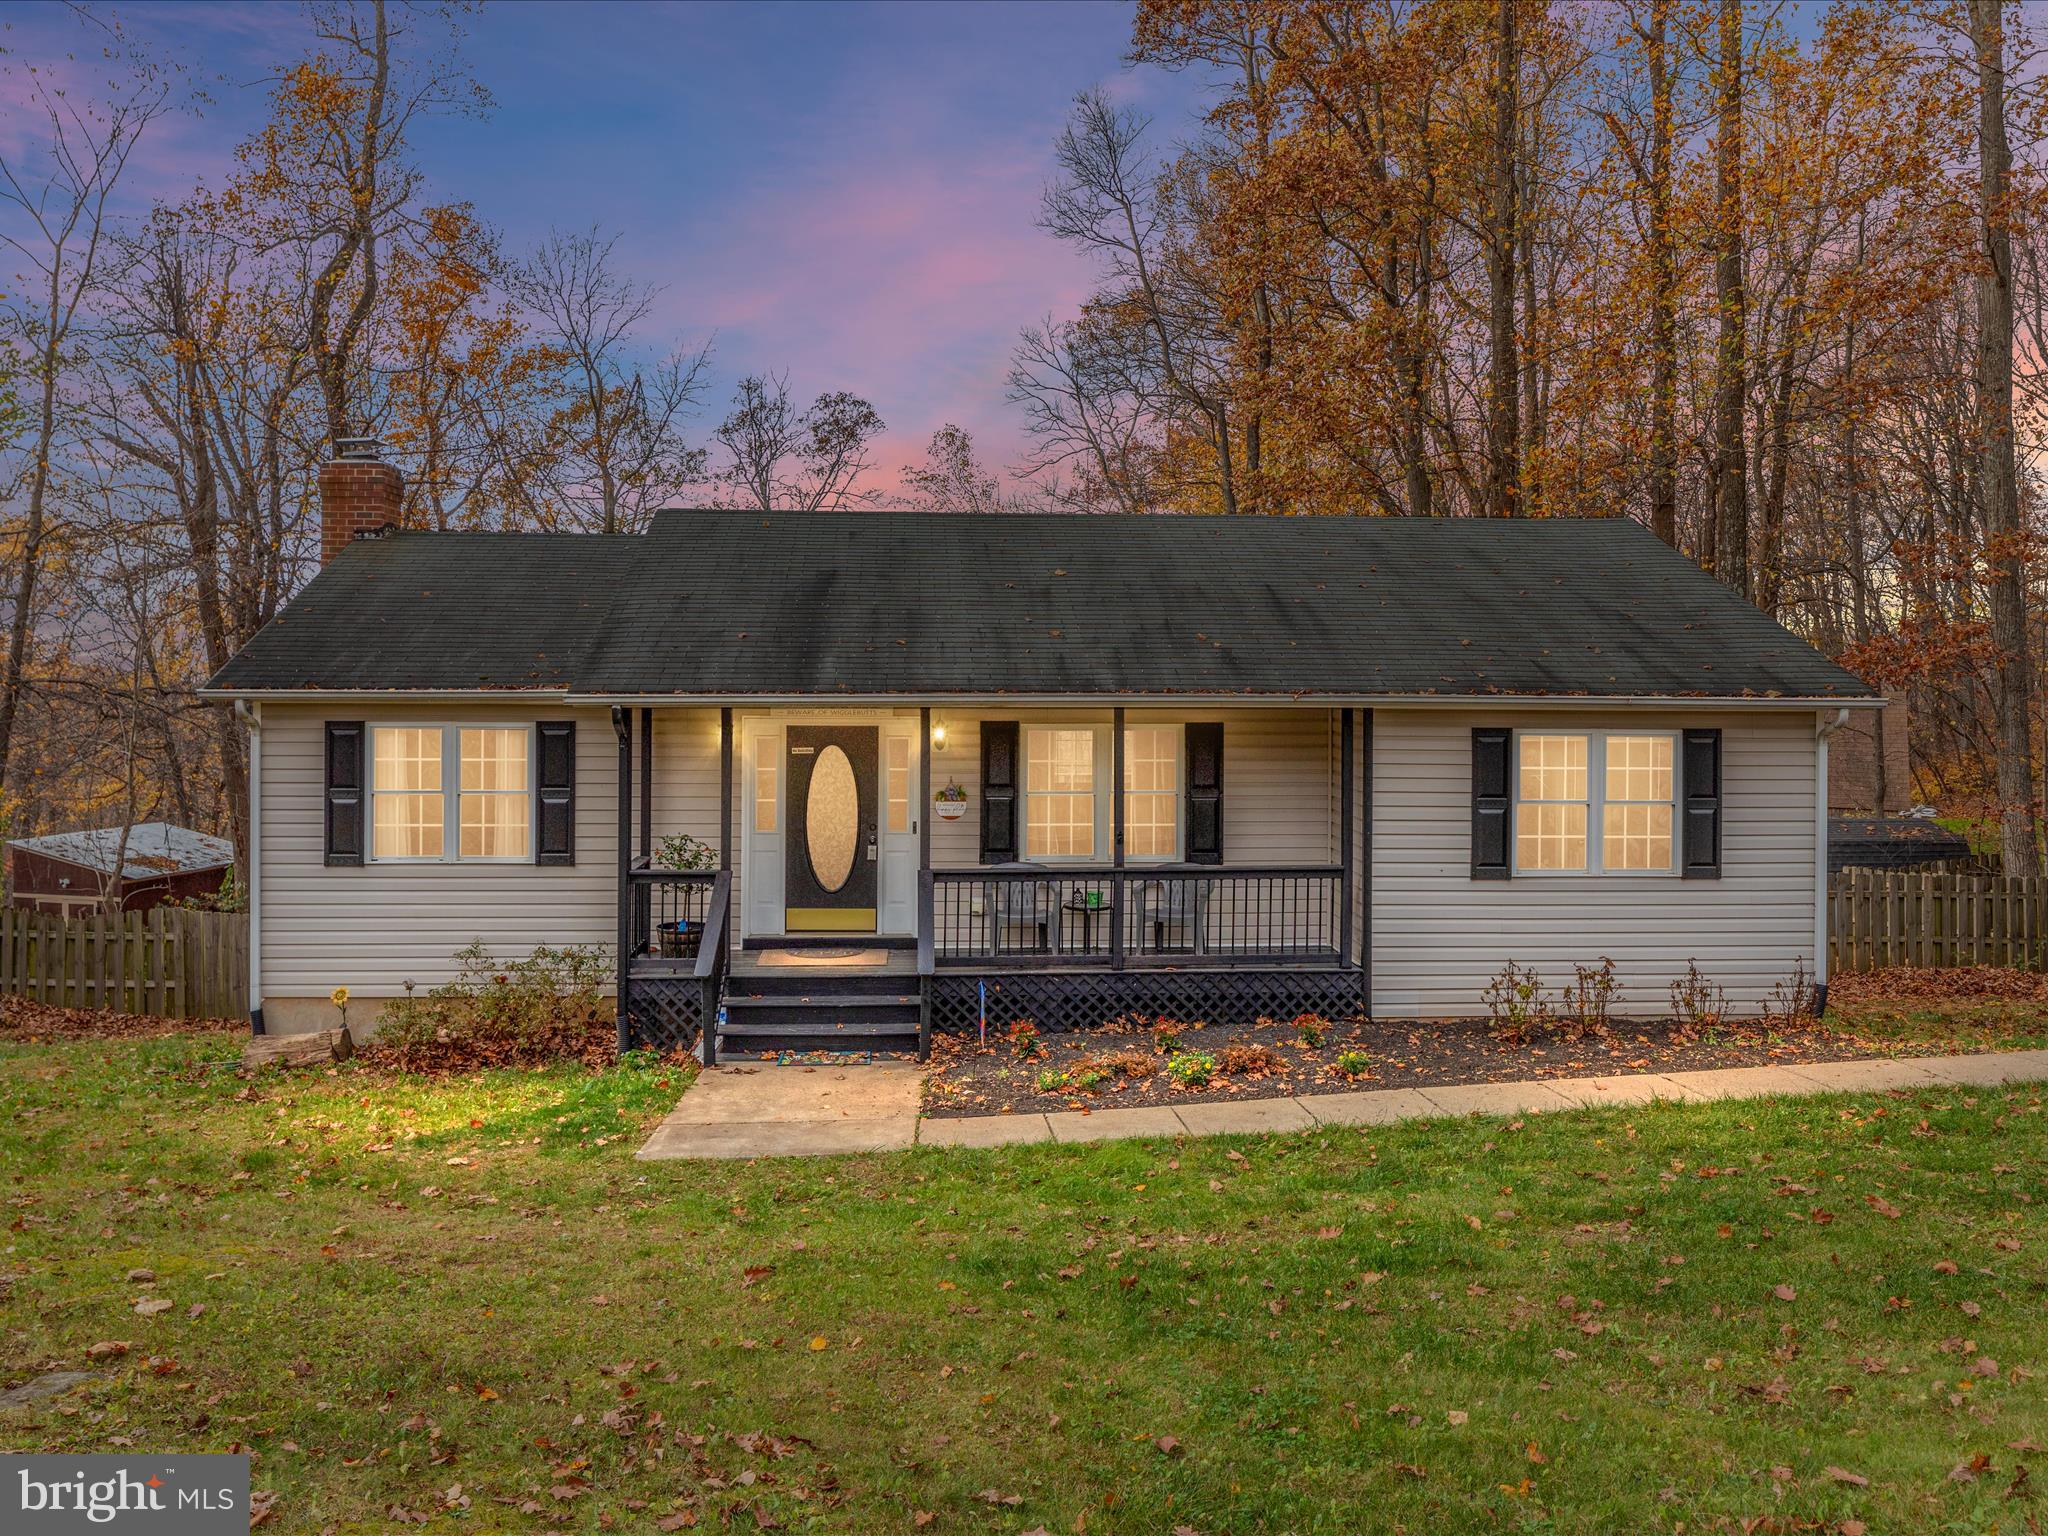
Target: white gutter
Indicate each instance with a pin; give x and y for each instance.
(251, 715)
(1823, 728)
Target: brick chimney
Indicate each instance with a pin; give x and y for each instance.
(359, 495)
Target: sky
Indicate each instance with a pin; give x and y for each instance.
(845, 192)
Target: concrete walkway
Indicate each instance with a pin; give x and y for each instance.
(765, 1110)
(772, 1111)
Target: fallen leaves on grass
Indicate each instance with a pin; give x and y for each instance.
(1845, 1477)
(32, 1022)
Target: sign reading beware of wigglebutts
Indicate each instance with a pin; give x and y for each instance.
(160, 1495)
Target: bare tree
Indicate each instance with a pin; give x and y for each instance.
(1087, 416)
(57, 200)
(951, 479)
(619, 452)
(1110, 203)
(782, 459)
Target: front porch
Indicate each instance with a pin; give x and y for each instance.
(943, 943)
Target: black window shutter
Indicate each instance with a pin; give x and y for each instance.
(1491, 807)
(1702, 788)
(345, 818)
(998, 791)
(1205, 792)
(555, 785)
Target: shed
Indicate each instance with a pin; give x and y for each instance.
(73, 872)
(1891, 842)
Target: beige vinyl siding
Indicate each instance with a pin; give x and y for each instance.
(1279, 796)
(1279, 793)
(371, 929)
(1438, 935)
(686, 788)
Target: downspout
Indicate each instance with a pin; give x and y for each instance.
(251, 716)
(1823, 728)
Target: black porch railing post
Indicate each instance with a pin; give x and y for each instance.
(1346, 834)
(1119, 914)
(622, 724)
(725, 787)
(1365, 871)
(647, 785)
(925, 936)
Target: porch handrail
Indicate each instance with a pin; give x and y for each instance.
(713, 952)
(710, 950)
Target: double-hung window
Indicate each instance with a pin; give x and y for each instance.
(1595, 802)
(1152, 792)
(1067, 789)
(1059, 792)
(441, 792)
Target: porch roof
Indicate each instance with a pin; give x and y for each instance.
(731, 604)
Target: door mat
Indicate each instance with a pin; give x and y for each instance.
(815, 957)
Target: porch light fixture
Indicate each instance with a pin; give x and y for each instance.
(939, 736)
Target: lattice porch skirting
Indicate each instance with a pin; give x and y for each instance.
(664, 1014)
(1085, 1000)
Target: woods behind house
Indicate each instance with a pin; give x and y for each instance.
(1771, 280)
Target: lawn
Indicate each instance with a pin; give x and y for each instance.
(465, 1303)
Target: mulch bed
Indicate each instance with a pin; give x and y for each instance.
(24, 1022)
(1269, 1060)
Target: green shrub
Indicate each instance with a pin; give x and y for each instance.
(1051, 1080)
(1192, 1069)
(547, 1007)
(1354, 1063)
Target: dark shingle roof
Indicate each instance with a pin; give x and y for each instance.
(1890, 842)
(732, 604)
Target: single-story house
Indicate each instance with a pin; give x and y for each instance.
(951, 768)
(75, 872)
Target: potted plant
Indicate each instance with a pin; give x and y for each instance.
(950, 802)
(679, 940)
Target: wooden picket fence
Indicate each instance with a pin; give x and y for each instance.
(173, 962)
(1904, 917)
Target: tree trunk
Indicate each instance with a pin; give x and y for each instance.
(1663, 289)
(1503, 446)
(12, 685)
(1731, 519)
(1998, 484)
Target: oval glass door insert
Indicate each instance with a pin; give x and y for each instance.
(832, 819)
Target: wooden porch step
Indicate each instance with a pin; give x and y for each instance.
(865, 1030)
(826, 1000)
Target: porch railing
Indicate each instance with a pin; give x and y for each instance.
(667, 912)
(678, 924)
(1150, 916)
